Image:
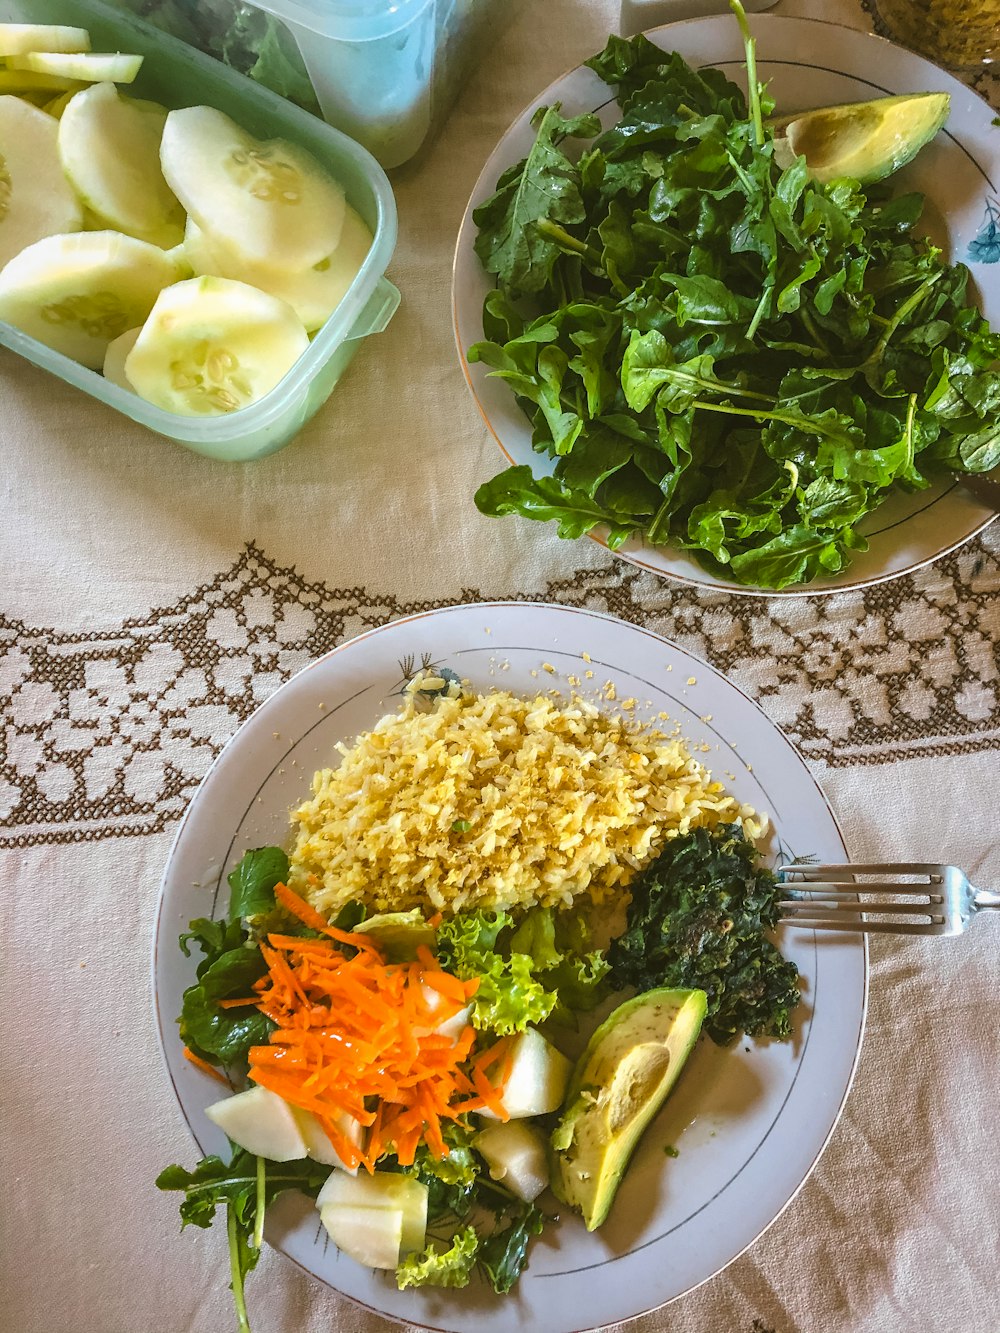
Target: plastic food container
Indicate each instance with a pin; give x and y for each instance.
(176, 75)
(383, 71)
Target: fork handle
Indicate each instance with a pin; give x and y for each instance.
(985, 898)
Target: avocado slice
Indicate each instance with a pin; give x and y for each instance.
(864, 140)
(619, 1083)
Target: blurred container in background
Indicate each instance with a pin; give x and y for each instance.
(386, 72)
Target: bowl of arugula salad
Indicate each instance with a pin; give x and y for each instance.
(724, 297)
(468, 982)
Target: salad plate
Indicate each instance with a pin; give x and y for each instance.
(745, 1125)
(806, 63)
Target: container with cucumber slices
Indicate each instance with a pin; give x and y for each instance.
(174, 240)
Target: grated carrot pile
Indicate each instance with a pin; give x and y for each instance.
(356, 1036)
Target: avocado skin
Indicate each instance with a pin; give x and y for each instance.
(617, 1086)
(866, 141)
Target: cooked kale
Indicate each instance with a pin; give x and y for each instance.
(699, 917)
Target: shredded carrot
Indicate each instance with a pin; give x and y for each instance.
(238, 1004)
(199, 1063)
(308, 915)
(435, 920)
(357, 1036)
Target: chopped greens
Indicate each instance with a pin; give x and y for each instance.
(715, 353)
(699, 917)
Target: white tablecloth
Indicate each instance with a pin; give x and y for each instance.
(151, 599)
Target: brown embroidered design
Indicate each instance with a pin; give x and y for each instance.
(107, 734)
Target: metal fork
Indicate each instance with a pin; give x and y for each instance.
(830, 898)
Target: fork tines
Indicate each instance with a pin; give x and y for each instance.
(829, 897)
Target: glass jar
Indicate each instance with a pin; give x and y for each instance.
(964, 34)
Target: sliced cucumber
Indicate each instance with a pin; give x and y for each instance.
(16, 39)
(103, 68)
(23, 81)
(314, 293)
(36, 199)
(212, 346)
(57, 105)
(110, 150)
(267, 202)
(77, 293)
(114, 359)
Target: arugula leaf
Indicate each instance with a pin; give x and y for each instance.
(504, 1254)
(245, 1187)
(232, 962)
(699, 917)
(545, 186)
(252, 882)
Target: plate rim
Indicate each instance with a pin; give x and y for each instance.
(166, 1028)
(596, 535)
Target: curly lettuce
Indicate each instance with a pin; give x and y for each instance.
(441, 1268)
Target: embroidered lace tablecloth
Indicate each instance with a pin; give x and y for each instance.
(151, 600)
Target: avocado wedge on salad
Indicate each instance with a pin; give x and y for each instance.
(866, 141)
(622, 1079)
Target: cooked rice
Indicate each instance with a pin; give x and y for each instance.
(560, 800)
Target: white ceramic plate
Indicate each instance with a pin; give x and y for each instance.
(806, 63)
(748, 1124)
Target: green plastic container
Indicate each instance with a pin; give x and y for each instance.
(177, 75)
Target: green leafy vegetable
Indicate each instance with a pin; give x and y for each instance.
(241, 35)
(699, 917)
(245, 1187)
(252, 883)
(230, 965)
(540, 970)
(504, 1254)
(558, 944)
(434, 1267)
(713, 352)
(508, 998)
(232, 962)
(451, 1181)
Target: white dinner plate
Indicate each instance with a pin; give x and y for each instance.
(748, 1122)
(806, 63)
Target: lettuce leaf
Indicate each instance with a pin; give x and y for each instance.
(538, 971)
(441, 1268)
(509, 997)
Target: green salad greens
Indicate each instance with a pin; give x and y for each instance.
(716, 353)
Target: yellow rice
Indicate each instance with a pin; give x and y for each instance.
(491, 800)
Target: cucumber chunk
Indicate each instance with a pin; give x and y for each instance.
(212, 346)
(313, 293)
(114, 359)
(36, 200)
(23, 81)
(57, 105)
(267, 202)
(77, 293)
(109, 146)
(16, 39)
(371, 1236)
(88, 68)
